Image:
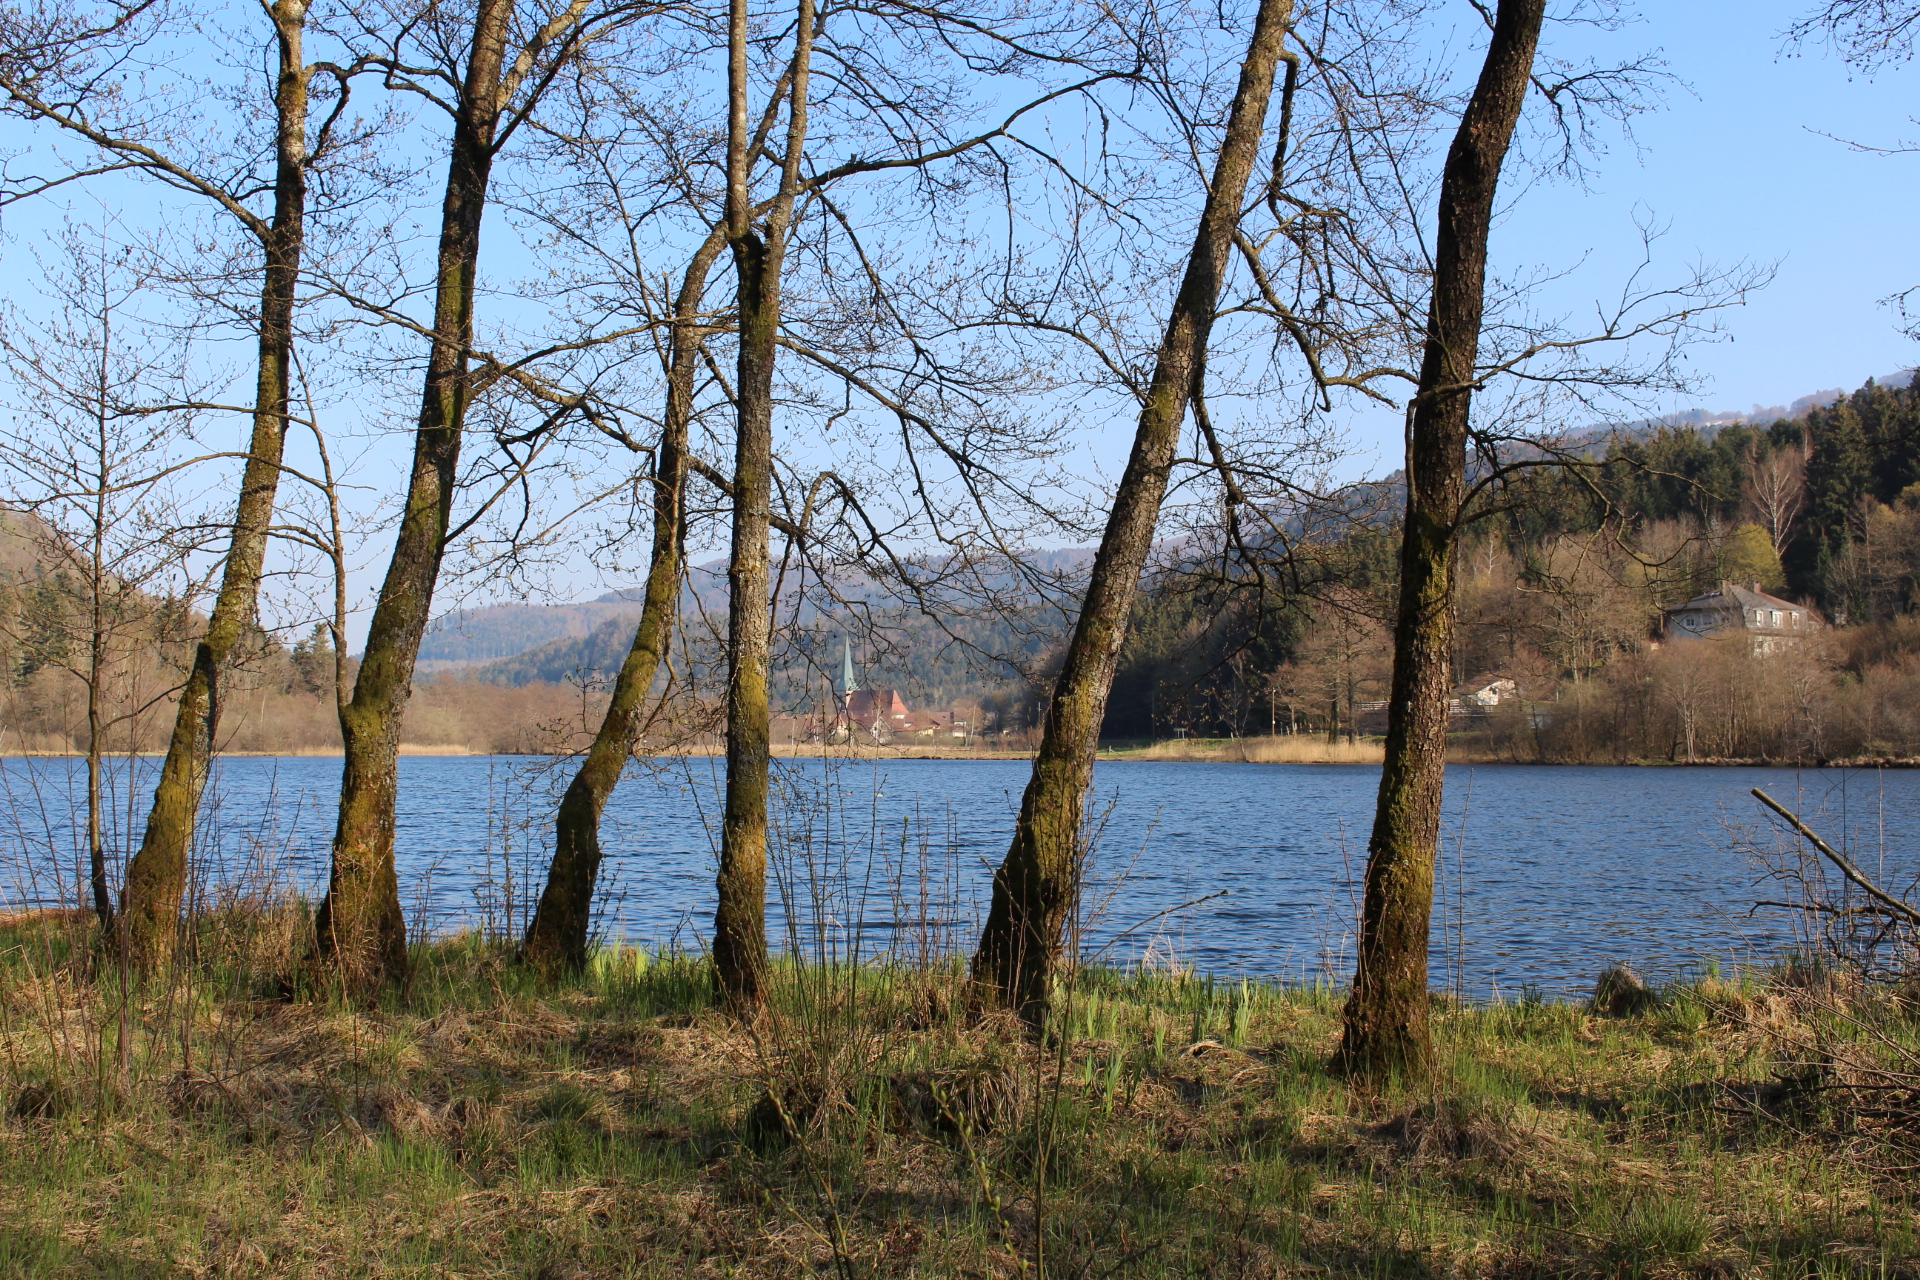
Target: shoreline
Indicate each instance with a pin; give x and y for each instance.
(1363, 753)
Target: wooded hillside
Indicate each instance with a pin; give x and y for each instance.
(1562, 591)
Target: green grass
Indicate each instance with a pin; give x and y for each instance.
(481, 1124)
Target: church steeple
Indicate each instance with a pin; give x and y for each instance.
(848, 685)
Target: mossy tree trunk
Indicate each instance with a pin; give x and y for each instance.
(739, 922)
(360, 930)
(1385, 1028)
(1035, 886)
(557, 937)
(157, 875)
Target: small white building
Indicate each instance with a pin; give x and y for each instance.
(1770, 624)
(1478, 696)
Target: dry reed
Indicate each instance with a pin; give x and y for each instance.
(1297, 749)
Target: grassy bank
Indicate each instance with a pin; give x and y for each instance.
(619, 1126)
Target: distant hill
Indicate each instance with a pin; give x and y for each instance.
(21, 537)
(601, 650)
(1762, 415)
(503, 630)
(517, 644)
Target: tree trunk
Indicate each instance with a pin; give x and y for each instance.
(360, 929)
(1034, 889)
(1385, 1022)
(157, 875)
(96, 808)
(557, 938)
(739, 921)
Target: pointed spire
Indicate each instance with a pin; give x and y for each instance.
(848, 685)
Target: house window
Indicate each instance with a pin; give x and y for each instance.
(1776, 618)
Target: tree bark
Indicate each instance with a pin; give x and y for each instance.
(1034, 888)
(157, 875)
(557, 937)
(360, 930)
(1385, 1022)
(96, 732)
(739, 921)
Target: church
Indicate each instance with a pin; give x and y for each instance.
(876, 712)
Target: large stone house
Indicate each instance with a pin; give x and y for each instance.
(1769, 623)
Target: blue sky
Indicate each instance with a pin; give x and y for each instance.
(1738, 169)
(1745, 158)
(1742, 163)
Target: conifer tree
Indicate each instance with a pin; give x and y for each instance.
(1839, 473)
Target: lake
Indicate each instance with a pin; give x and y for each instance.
(1547, 872)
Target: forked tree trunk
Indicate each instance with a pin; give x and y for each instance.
(557, 937)
(1034, 889)
(739, 921)
(157, 875)
(1385, 1023)
(360, 930)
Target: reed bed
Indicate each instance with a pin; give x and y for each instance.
(1295, 749)
(202, 1122)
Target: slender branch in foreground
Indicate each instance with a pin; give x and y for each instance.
(1893, 905)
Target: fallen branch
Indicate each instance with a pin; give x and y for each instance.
(1894, 906)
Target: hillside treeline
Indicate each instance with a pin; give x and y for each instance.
(1562, 587)
(277, 700)
(1561, 591)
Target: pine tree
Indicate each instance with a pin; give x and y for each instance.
(1839, 472)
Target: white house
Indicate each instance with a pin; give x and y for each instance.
(1769, 623)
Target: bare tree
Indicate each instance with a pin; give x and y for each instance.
(901, 109)
(1868, 33)
(739, 923)
(488, 72)
(92, 460)
(557, 935)
(1384, 1027)
(60, 72)
(1034, 887)
(1542, 366)
(1346, 644)
(1774, 491)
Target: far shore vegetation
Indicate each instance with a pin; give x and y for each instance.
(1566, 604)
(1467, 749)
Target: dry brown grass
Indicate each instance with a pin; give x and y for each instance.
(619, 1125)
(1298, 749)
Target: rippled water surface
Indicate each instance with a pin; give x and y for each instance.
(1548, 872)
